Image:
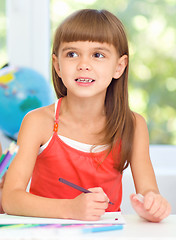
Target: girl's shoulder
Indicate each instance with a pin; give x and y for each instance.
(41, 114)
(38, 123)
(141, 129)
(139, 119)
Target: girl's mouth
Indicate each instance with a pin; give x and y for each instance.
(84, 80)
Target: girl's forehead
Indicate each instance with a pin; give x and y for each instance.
(87, 44)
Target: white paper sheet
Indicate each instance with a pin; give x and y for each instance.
(107, 218)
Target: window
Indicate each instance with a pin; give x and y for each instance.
(150, 26)
(3, 50)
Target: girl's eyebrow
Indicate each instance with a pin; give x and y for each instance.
(93, 49)
(102, 49)
(69, 48)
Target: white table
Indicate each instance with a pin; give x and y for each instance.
(135, 228)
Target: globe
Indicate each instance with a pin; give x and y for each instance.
(21, 90)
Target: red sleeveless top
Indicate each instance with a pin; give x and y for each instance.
(82, 168)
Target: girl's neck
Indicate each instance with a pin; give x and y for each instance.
(82, 120)
(83, 109)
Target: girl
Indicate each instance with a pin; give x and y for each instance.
(95, 136)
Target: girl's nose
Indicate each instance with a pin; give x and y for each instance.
(84, 66)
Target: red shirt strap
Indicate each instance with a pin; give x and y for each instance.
(57, 115)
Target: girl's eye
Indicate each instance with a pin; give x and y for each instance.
(72, 54)
(98, 55)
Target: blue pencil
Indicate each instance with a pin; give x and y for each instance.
(102, 229)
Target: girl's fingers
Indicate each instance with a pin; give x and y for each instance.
(161, 210)
(136, 204)
(132, 196)
(136, 200)
(99, 194)
(164, 211)
(101, 205)
(157, 206)
(154, 207)
(96, 189)
(148, 201)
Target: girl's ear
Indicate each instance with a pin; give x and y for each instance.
(121, 65)
(56, 64)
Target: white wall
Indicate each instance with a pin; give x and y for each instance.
(28, 34)
(164, 163)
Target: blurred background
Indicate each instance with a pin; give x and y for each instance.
(26, 32)
(151, 30)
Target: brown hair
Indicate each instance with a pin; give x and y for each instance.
(103, 26)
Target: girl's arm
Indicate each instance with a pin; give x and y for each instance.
(1, 186)
(154, 207)
(17, 201)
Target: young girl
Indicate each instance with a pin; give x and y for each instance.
(95, 135)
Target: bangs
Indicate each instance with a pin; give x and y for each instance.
(89, 25)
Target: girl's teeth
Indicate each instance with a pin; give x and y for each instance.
(84, 80)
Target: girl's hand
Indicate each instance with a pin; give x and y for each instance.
(154, 207)
(90, 206)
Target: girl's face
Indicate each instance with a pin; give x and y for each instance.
(87, 68)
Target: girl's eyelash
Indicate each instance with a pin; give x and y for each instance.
(99, 55)
(71, 54)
